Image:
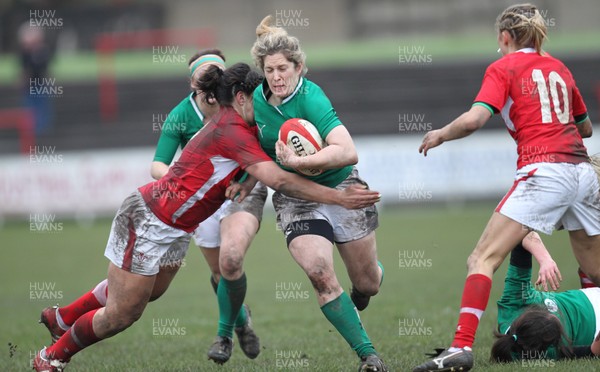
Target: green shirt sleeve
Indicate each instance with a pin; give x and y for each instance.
(518, 293)
(169, 141)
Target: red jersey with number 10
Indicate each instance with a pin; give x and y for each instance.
(194, 187)
(539, 101)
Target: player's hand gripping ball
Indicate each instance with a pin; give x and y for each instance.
(303, 138)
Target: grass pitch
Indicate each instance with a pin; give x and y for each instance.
(423, 249)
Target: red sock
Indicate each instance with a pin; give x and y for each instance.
(94, 299)
(584, 280)
(80, 336)
(474, 301)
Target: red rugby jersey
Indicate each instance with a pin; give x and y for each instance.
(540, 103)
(194, 187)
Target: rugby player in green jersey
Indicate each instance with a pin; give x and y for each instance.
(535, 324)
(312, 229)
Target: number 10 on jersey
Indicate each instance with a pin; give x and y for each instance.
(555, 80)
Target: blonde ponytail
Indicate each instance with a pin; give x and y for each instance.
(525, 24)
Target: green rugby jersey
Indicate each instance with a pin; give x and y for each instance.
(572, 307)
(309, 102)
(180, 125)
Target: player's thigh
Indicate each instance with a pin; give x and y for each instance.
(360, 257)
(163, 280)
(207, 237)
(240, 221)
(499, 237)
(211, 256)
(314, 254)
(587, 252)
(237, 232)
(173, 252)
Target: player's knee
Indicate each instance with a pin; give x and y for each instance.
(121, 321)
(473, 262)
(156, 295)
(231, 264)
(323, 281)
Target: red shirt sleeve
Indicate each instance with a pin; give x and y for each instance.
(239, 142)
(494, 88)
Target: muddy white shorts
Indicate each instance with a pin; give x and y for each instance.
(140, 243)
(208, 233)
(548, 196)
(347, 224)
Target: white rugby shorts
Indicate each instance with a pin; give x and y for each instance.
(548, 196)
(141, 243)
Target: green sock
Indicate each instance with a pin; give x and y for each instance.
(344, 317)
(242, 317)
(382, 272)
(230, 296)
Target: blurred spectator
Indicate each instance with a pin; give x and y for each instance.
(35, 56)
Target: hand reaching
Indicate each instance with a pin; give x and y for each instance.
(549, 273)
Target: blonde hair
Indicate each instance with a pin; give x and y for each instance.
(525, 24)
(272, 40)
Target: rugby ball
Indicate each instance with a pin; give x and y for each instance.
(302, 137)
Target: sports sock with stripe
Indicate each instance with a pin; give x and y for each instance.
(94, 299)
(584, 280)
(476, 294)
(80, 336)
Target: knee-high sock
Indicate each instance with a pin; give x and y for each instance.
(242, 317)
(344, 317)
(231, 294)
(94, 299)
(80, 336)
(474, 301)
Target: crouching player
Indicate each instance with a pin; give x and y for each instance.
(157, 219)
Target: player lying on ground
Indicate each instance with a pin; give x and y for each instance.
(156, 221)
(555, 184)
(536, 324)
(312, 229)
(236, 227)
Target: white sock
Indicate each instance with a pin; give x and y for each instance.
(61, 322)
(100, 291)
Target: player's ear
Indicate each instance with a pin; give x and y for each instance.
(505, 37)
(240, 98)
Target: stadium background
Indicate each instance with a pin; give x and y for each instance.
(393, 69)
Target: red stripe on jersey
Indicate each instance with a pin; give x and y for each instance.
(131, 239)
(514, 186)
